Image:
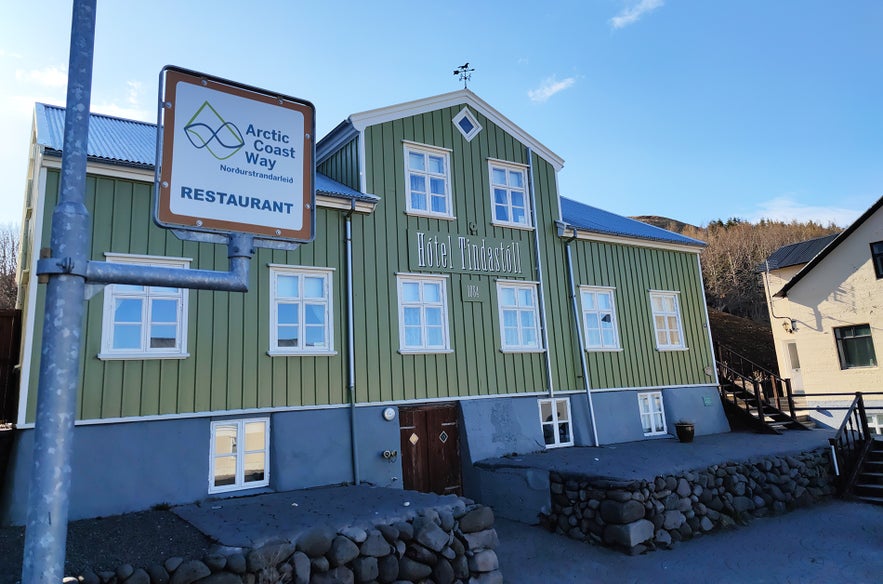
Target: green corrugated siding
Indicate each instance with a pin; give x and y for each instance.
(343, 165)
(228, 333)
(476, 366)
(634, 272)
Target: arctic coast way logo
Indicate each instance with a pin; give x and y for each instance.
(223, 142)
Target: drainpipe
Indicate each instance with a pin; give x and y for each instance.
(579, 335)
(539, 262)
(351, 343)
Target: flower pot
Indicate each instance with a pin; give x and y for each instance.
(685, 431)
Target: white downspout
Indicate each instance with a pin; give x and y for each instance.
(538, 258)
(351, 344)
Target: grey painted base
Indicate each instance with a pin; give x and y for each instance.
(131, 466)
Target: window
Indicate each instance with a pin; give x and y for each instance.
(427, 181)
(300, 301)
(239, 454)
(509, 195)
(855, 346)
(467, 124)
(599, 318)
(144, 322)
(652, 414)
(423, 314)
(875, 423)
(877, 258)
(555, 420)
(519, 316)
(667, 320)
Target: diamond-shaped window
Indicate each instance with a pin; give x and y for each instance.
(467, 124)
(443, 437)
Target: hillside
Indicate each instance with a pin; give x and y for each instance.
(750, 339)
(665, 223)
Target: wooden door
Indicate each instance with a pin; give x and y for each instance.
(431, 449)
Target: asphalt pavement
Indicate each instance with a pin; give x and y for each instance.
(837, 541)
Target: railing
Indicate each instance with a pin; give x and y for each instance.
(744, 383)
(776, 391)
(850, 445)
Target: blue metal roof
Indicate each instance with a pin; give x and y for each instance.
(130, 143)
(587, 218)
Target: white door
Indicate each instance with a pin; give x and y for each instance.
(794, 363)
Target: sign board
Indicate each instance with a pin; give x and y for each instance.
(234, 159)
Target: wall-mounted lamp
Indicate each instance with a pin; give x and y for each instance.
(790, 325)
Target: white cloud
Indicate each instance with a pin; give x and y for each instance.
(47, 77)
(787, 209)
(631, 14)
(131, 107)
(549, 87)
(9, 54)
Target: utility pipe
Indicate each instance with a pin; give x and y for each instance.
(579, 336)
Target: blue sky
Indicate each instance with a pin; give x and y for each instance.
(695, 110)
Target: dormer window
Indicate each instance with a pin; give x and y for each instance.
(467, 124)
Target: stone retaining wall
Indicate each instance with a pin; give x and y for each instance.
(440, 546)
(645, 515)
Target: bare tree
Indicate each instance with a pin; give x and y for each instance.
(9, 244)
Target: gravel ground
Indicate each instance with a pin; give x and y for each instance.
(101, 544)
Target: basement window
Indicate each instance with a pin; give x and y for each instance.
(239, 454)
(652, 413)
(555, 420)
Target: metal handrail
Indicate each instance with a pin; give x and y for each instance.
(850, 445)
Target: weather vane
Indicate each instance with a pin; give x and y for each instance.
(465, 73)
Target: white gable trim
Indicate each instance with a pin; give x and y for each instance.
(362, 120)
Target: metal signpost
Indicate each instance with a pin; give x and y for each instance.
(234, 165)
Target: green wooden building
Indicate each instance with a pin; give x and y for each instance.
(453, 307)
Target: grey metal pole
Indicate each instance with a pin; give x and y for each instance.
(48, 500)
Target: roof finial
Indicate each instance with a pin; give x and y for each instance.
(465, 74)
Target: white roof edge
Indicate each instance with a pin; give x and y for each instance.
(411, 108)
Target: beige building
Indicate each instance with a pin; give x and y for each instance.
(825, 299)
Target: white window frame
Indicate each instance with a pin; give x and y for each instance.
(476, 127)
(520, 347)
(652, 398)
(422, 305)
(667, 330)
(147, 294)
(875, 423)
(555, 423)
(597, 291)
(327, 302)
(509, 167)
(428, 175)
(239, 456)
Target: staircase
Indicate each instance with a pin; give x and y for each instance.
(868, 485)
(754, 396)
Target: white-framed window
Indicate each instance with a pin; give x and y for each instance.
(519, 316)
(423, 314)
(428, 181)
(875, 423)
(239, 454)
(599, 318)
(555, 421)
(467, 124)
(509, 198)
(652, 413)
(300, 311)
(144, 322)
(667, 320)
